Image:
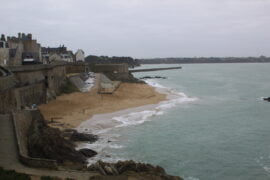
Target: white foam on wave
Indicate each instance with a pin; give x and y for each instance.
(88, 84)
(105, 126)
(174, 99)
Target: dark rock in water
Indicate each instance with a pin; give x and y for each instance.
(153, 77)
(48, 143)
(267, 99)
(88, 152)
(76, 136)
(129, 169)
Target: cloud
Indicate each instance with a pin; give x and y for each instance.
(144, 28)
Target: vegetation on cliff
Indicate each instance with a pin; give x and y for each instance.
(112, 60)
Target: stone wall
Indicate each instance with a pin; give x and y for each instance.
(77, 68)
(29, 95)
(7, 101)
(56, 78)
(22, 121)
(4, 56)
(111, 68)
(51, 75)
(7, 98)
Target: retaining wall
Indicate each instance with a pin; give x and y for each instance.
(29, 95)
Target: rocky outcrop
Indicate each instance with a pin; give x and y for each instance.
(48, 143)
(153, 77)
(76, 136)
(129, 169)
(88, 152)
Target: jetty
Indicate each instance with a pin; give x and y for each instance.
(154, 69)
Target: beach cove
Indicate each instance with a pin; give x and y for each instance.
(70, 110)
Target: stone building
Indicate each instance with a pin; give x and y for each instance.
(4, 51)
(56, 54)
(79, 55)
(21, 50)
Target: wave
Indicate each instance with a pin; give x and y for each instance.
(174, 99)
(107, 126)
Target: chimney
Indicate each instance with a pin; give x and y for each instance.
(29, 36)
(3, 37)
(23, 36)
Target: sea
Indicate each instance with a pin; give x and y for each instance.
(214, 126)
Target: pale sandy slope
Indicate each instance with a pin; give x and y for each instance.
(70, 110)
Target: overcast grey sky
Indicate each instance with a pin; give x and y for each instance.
(144, 28)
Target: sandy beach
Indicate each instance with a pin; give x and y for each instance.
(70, 110)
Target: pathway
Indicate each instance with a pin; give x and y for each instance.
(9, 155)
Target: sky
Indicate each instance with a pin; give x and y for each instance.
(144, 28)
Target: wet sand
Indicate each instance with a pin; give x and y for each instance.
(70, 110)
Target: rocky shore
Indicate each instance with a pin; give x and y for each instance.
(51, 143)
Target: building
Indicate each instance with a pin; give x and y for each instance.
(4, 51)
(56, 54)
(19, 50)
(79, 55)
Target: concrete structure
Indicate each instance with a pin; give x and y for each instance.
(79, 55)
(56, 54)
(154, 69)
(106, 85)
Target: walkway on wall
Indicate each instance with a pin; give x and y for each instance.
(9, 155)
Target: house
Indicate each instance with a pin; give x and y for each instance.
(56, 54)
(4, 51)
(19, 50)
(79, 55)
(24, 50)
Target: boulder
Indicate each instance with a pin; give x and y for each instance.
(76, 136)
(88, 152)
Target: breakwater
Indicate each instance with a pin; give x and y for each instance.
(154, 69)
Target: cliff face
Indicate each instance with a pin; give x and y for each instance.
(48, 143)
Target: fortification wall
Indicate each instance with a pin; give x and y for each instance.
(77, 68)
(56, 77)
(29, 95)
(111, 68)
(7, 101)
(7, 98)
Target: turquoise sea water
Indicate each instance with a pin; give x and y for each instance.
(224, 135)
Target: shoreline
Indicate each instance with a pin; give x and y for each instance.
(71, 110)
(107, 125)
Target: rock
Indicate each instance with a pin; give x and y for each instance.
(153, 77)
(48, 143)
(76, 136)
(88, 152)
(267, 99)
(129, 170)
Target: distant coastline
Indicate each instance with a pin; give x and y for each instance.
(200, 60)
